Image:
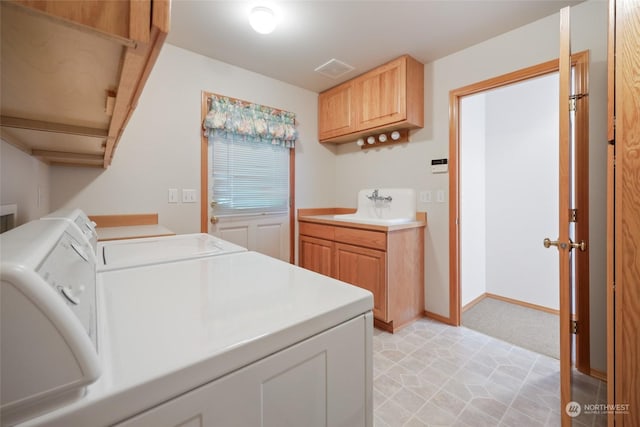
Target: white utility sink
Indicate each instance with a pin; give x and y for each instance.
(383, 206)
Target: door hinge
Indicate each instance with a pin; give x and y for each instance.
(573, 215)
(574, 327)
(574, 98)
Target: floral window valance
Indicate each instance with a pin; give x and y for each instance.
(253, 122)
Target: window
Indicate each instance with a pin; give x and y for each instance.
(248, 178)
(249, 148)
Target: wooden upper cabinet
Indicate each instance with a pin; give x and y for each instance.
(72, 73)
(382, 100)
(336, 112)
(97, 15)
(390, 97)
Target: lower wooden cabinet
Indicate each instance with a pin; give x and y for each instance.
(386, 261)
(316, 255)
(366, 268)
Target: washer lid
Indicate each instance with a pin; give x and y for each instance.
(152, 250)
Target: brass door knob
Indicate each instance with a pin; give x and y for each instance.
(548, 243)
(214, 220)
(582, 245)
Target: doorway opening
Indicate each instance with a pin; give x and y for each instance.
(508, 199)
(510, 211)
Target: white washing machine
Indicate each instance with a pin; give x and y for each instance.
(118, 254)
(48, 318)
(127, 253)
(80, 219)
(235, 340)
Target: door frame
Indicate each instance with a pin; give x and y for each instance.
(204, 178)
(580, 62)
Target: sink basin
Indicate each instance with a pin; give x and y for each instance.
(394, 206)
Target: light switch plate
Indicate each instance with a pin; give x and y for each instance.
(173, 195)
(188, 196)
(425, 196)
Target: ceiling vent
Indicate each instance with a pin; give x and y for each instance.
(334, 68)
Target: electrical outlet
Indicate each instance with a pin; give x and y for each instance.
(188, 196)
(173, 195)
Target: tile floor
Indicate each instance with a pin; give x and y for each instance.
(432, 374)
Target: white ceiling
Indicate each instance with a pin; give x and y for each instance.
(363, 34)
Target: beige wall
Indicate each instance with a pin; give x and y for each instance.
(24, 182)
(407, 165)
(160, 148)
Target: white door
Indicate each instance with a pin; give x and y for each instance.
(267, 234)
(566, 244)
(264, 232)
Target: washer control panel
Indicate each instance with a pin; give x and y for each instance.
(84, 224)
(70, 269)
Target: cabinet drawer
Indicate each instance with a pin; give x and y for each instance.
(316, 230)
(366, 238)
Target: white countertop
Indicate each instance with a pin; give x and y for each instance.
(361, 223)
(168, 328)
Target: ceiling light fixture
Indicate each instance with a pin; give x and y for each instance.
(262, 19)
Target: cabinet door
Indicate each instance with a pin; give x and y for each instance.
(336, 115)
(366, 268)
(322, 381)
(316, 255)
(381, 95)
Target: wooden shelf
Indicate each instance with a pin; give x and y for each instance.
(72, 72)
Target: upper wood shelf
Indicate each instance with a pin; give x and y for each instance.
(72, 72)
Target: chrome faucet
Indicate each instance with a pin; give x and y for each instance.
(375, 197)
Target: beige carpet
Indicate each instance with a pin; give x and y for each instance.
(525, 327)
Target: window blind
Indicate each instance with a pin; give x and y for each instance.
(248, 177)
